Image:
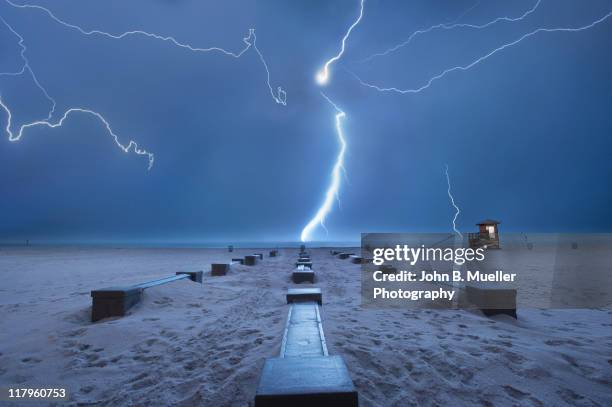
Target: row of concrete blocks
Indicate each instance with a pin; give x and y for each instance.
(305, 374)
(116, 301)
(351, 256)
(273, 253)
(303, 269)
(221, 269)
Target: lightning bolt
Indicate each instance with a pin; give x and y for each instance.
(130, 146)
(279, 96)
(451, 27)
(450, 196)
(322, 78)
(482, 58)
(250, 41)
(323, 74)
(332, 190)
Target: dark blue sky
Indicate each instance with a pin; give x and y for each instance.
(526, 134)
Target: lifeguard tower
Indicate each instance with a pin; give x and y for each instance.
(488, 235)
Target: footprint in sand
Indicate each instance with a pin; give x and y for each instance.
(559, 342)
(86, 389)
(84, 346)
(514, 392)
(163, 301)
(570, 396)
(31, 360)
(76, 332)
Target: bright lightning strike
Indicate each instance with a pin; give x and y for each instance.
(323, 74)
(481, 59)
(334, 186)
(451, 27)
(450, 196)
(322, 78)
(130, 146)
(279, 96)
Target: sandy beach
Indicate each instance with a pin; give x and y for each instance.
(188, 344)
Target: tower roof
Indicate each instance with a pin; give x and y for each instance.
(488, 222)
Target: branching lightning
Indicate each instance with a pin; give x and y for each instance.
(332, 190)
(16, 136)
(482, 58)
(452, 199)
(324, 73)
(250, 41)
(280, 96)
(451, 27)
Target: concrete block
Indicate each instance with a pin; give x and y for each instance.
(309, 381)
(304, 263)
(301, 276)
(250, 260)
(388, 269)
(493, 301)
(195, 276)
(113, 301)
(304, 294)
(356, 259)
(219, 269)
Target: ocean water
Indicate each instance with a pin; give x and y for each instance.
(151, 244)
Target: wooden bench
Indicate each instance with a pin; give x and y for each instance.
(260, 255)
(238, 260)
(305, 374)
(116, 301)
